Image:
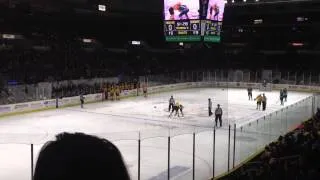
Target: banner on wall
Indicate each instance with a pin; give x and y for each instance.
(5, 109)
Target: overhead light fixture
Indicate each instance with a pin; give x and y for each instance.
(244, 0)
(135, 43)
(301, 19)
(8, 36)
(297, 44)
(102, 7)
(87, 40)
(232, 1)
(258, 21)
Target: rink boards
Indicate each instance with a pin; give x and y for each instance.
(146, 119)
(14, 109)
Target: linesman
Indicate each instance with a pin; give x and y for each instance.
(210, 107)
(218, 114)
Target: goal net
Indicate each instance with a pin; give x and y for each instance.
(265, 87)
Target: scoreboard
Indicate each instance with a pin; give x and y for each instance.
(182, 20)
(213, 24)
(193, 20)
(212, 31)
(182, 30)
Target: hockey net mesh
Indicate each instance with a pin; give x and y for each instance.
(267, 87)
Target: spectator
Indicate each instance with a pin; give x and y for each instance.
(79, 156)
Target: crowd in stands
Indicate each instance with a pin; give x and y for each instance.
(71, 89)
(293, 156)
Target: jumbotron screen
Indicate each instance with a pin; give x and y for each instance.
(182, 20)
(214, 20)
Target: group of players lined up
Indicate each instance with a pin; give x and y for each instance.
(177, 108)
(262, 99)
(112, 91)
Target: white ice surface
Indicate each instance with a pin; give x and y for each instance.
(122, 121)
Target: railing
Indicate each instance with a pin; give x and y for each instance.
(188, 152)
(294, 78)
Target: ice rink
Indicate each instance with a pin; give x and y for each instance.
(123, 122)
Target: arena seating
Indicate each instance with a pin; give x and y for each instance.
(293, 156)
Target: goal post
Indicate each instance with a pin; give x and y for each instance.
(265, 87)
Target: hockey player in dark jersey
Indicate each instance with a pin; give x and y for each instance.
(181, 110)
(250, 93)
(215, 15)
(82, 100)
(285, 94)
(183, 10)
(281, 96)
(210, 107)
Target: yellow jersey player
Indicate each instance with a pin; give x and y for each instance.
(259, 101)
(176, 108)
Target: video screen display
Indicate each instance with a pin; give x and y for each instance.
(215, 10)
(214, 18)
(182, 20)
(181, 9)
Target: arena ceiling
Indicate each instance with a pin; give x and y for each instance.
(123, 7)
(149, 6)
(142, 20)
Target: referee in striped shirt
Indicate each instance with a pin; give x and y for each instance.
(218, 114)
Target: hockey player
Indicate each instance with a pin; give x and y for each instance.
(176, 108)
(181, 110)
(259, 100)
(171, 103)
(106, 92)
(285, 94)
(210, 106)
(214, 12)
(82, 100)
(218, 114)
(264, 102)
(250, 93)
(145, 90)
(112, 93)
(182, 9)
(281, 96)
(117, 92)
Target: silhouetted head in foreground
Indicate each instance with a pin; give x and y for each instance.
(80, 157)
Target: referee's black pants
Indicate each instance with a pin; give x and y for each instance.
(218, 117)
(170, 106)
